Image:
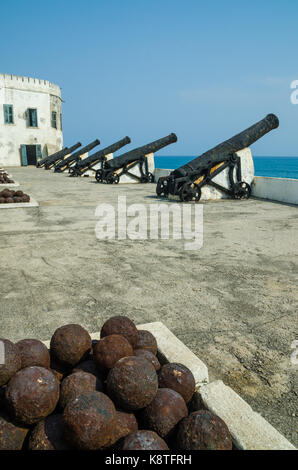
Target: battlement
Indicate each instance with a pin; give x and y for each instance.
(29, 84)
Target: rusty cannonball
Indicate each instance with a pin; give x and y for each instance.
(89, 421)
(19, 193)
(32, 394)
(2, 200)
(90, 367)
(146, 354)
(144, 440)
(110, 349)
(9, 200)
(6, 193)
(164, 412)
(179, 378)
(132, 383)
(120, 325)
(12, 436)
(126, 423)
(70, 344)
(26, 198)
(12, 360)
(17, 199)
(47, 435)
(147, 341)
(76, 384)
(202, 430)
(33, 353)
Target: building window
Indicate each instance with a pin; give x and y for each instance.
(8, 113)
(54, 119)
(32, 117)
(61, 121)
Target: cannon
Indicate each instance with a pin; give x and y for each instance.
(113, 169)
(98, 157)
(187, 181)
(75, 157)
(54, 160)
(55, 155)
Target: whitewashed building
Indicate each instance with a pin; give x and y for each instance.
(30, 120)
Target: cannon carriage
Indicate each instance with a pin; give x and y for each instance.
(74, 157)
(112, 170)
(57, 157)
(187, 181)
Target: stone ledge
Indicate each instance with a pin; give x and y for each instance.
(249, 430)
(19, 205)
(9, 185)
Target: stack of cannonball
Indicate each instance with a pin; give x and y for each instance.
(8, 196)
(4, 178)
(111, 394)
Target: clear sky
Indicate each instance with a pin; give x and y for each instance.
(204, 70)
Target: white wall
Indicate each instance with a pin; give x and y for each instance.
(23, 93)
(276, 189)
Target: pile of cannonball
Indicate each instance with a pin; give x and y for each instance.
(111, 394)
(8, 196)
(4, 178)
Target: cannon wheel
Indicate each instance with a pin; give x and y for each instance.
(98, 176)
(110, 178)
(162, 188)
(242, 191)
(190, 192)
(116, 179)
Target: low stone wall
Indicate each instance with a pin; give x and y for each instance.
(276, 189)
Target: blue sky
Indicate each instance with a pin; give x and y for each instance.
(204, 70)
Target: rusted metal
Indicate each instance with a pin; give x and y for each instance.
(90, 367)
(120, 325)
(89, 421)
(202, 430)
(76, 384)
(164, 413)
(144, 440)
(12, 436)
(70, 344)
(126, 423)
(146, 354)
(12, 361)
(32, 394)
(179, 378)
(110, 349)
(132, 383)
(47, 435)
(33, 353)
(8, 196)
(147, 341)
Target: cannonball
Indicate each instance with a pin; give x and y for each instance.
(147, 341)
(89, 421)
(9, 200)
(12, 436)
(76, 384)
(32, 394)
(90, 367)
(33, 353)
(6, 193)
(11, 362)
(179, 378)
(132, 383)
(26, 198)
(120, 325)
(146, 354)
(19, 193)
(17, 199)
(202, 430)
(144, 440)
(70, 344)
(2, 200)
(126, 423)
(110, 349)
(47, 435)
(164, 413)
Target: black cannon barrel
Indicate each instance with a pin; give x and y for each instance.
(230, 146)
(49, 157)
(134, 154)
(75, 156)
(101, 153)
(56, 159)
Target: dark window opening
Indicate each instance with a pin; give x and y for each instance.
(54, 119)
(32, 117)
(8, 113)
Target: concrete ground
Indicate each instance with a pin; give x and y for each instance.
(234, 302)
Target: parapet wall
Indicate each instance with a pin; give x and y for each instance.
(276, 189)
(29, 84)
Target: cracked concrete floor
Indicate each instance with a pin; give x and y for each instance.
(234, 302)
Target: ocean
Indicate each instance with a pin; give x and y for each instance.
(278, 167)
